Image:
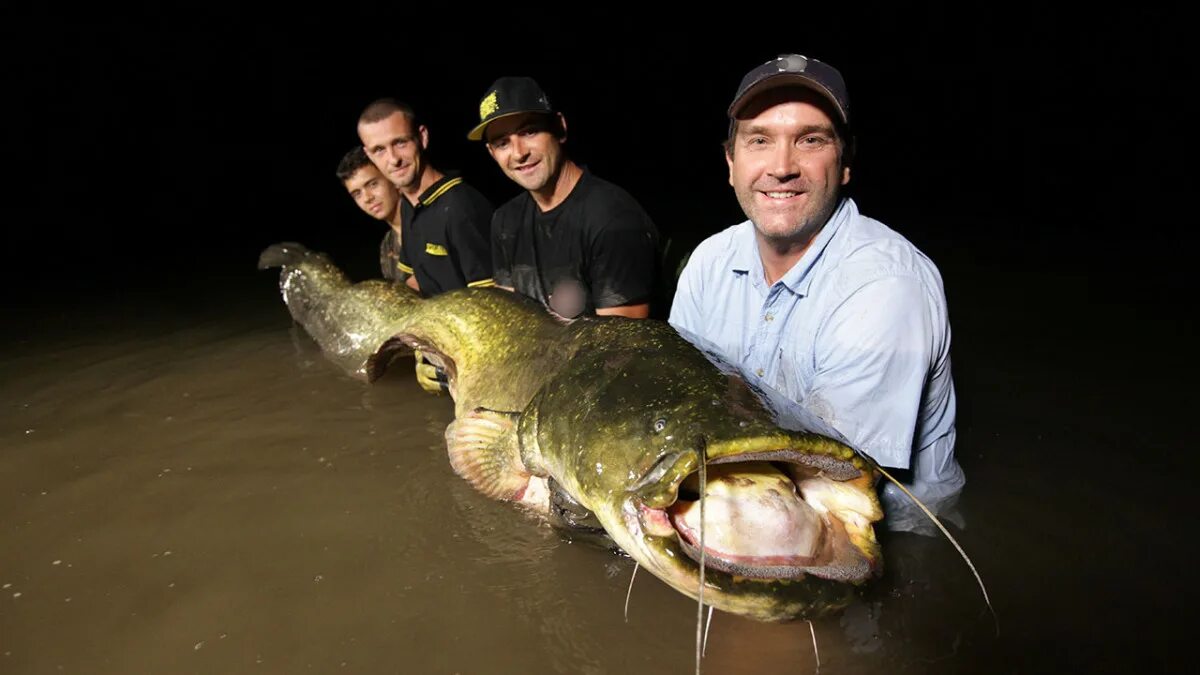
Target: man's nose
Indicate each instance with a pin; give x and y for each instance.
(520, 149)
(785, 163)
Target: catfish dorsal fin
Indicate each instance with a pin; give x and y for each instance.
(483, 450)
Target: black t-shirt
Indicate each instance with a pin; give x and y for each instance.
(445, 237)
(597, 249)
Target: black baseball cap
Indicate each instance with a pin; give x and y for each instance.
(509, 96)
(794, 70)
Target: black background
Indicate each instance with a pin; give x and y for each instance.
(164, 152)
(1037, 156)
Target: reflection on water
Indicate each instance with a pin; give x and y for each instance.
(212, 496)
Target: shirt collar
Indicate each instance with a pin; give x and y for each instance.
(439, 188)
(746, 259)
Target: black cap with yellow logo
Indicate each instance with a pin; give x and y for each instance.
(509, 96)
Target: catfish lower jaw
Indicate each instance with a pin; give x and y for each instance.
(836, 559)
(764, 599)
(772, 521)
(671, 533)
(645, 533)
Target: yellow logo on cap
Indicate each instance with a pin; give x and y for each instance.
(488, 106)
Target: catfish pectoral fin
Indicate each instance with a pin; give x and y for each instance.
(483, 450)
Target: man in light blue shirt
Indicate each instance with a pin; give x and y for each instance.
(833, 309)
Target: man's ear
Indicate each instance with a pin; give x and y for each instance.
(562, 124)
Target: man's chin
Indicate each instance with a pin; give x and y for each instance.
(527, 183)
(785, 232)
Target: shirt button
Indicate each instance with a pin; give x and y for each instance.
(759, 372)
(769, 317)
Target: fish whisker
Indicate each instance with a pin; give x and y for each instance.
(934, 519)
(630, 591)
(707, 625)
(816, 652)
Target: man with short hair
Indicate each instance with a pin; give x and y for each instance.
(572, 241)
(820, 302)
(378, 198)
(444, 221)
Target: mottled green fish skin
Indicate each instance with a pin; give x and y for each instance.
(642, 393)
(617, 411)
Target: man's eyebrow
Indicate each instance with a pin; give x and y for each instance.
(766, 131)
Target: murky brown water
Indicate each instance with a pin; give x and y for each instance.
(195, 490)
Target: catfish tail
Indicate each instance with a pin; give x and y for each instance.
(281, 254)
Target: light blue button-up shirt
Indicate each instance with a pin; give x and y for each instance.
(857, 331)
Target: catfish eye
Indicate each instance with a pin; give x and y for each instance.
(660, 424)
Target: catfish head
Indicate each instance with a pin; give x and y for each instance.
(626, 428)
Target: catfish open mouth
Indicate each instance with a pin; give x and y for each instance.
(778, 519)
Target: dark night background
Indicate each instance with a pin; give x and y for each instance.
(1037, 156)
(155, 152)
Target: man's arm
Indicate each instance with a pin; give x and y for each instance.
(623, 270)
(501, 265)
(630, 311)
(387, 259)
(470, 248)
(404, 263)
